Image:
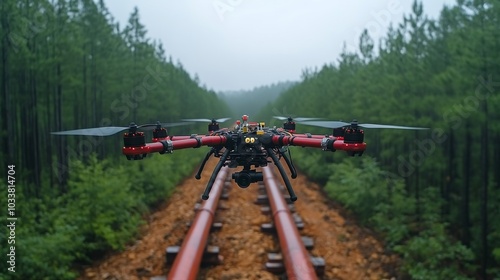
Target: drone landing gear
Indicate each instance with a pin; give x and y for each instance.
(289, 163)
(247, 176)
(214, 174)
(198, 174)
(288, 185)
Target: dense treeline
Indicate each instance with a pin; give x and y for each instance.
(438, 200)
(250, 102)
(66, 64)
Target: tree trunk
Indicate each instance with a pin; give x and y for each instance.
(466, 190)
(450, 177)
(60, 142)
(7, 106)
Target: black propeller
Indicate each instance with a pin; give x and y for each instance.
(110, 130)
(354, 124)
(221, 120)
(298, 119)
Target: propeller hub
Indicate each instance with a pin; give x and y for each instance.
(132, 128)
(354, 124)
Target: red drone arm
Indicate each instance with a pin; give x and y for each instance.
(166, 146)
(309, 135)
(325, 143)
(172, 137)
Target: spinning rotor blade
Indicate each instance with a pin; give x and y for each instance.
(98, 131)
(280, 118)
(298, 119)
(110, 130)
(175, 124)
(337, 124)
(221, 120)
(371, 125)
(327, 124)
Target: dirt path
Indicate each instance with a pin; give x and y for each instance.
(350, 252)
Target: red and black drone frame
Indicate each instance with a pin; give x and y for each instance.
(246, 144)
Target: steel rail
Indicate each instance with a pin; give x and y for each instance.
(188, 261)
(297, 261)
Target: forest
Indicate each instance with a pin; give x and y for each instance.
(433, 196)
(68, 65)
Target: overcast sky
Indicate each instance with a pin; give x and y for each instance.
(241, 44)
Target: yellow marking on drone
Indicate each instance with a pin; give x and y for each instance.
(260, 129)
(249, 140)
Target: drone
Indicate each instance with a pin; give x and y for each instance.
(246, 144)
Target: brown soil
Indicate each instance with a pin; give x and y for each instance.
(350, 252)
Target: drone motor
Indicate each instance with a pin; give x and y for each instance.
(159, 132)
(213, 126)
(134, 140)
(353, 135)
(290, 126)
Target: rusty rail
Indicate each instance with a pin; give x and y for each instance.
(297, 260)
(188, 260)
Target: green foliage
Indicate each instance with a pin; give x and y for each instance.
(356, 185)
(312, 163)
(51, 255)
(101, 211)
(155, 177)
(380, 200)
(68, 65)
(433, 255)
(377, 198)
(100, 203)
(442, 74)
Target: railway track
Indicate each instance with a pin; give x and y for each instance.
(293, 259)
(188, 258)
(243, 240)
(297, 261)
